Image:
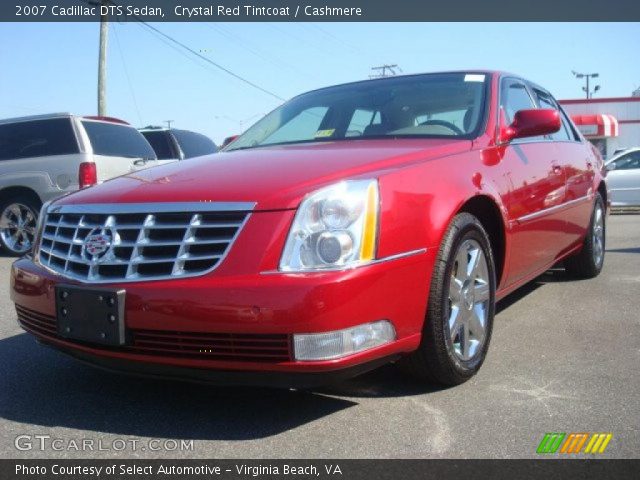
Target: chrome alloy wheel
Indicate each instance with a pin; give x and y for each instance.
(18, 227)
(469, 297)
(597, 233)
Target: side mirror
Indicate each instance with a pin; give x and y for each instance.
(228, 140)
(531, 123)
(610, 166)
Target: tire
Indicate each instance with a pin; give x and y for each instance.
(440, 358)
(588, 262)
(18, 220)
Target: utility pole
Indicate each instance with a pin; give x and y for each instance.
(168, 122)
(587, 76)
(382, 69)
(102, 63)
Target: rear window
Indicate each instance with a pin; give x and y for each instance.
(37, 138)
(194, 144)
(112, 139)
(162, 144)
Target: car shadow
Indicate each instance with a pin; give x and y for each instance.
(43, 387)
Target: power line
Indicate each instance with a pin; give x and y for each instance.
(217, 65)
(202, 57)
(126, 72)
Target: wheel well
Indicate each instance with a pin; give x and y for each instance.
(602, 190)
(488, 213)
(10, 192)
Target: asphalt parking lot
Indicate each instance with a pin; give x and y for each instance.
(564, 358)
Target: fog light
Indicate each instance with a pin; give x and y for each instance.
(340, 343)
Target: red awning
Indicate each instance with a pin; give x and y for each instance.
(601, 125)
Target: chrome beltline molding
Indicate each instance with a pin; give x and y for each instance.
(345, 269)
(160, 207)
(532, 216)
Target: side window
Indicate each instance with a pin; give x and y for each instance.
(514, 97)
(37, 138)
(161, 144)
(628, 162)
(546, 101)
(573, 134)
(303, 126)
(360, 120)
(194, 144)
(112, 139)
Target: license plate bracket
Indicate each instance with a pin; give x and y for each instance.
(91, 315)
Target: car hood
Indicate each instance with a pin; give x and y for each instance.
(273, 177)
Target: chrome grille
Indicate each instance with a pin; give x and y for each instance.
(138, 241)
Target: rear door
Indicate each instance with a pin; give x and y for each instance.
(537, 189)
(577, 161)
(117, 149)
(623, 179)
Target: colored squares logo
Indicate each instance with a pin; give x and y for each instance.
(574, 443)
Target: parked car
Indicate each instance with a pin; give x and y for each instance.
(172, 144)
(353, 226)
(623, 177)
(45, 156)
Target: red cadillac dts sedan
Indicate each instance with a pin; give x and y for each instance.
(353, 226)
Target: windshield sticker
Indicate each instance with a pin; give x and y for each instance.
(474, 77)
(325, 133)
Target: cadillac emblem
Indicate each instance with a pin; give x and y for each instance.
(97, 243)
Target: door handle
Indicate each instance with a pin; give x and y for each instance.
(140, 163)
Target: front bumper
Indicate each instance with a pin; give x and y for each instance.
(251, 304)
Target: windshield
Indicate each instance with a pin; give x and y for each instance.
(420, 106)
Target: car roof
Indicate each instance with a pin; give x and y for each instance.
(48, 116)
(392, 77)
(623, 152)
(29, 118)
(488, 72)
(165, 129)
(153, 128)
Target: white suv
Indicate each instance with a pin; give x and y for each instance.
(45, 156)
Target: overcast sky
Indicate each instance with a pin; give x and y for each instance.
(52, 67)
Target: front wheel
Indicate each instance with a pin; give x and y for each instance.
(461, 306)
(588, 262)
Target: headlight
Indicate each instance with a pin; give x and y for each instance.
(335, 227)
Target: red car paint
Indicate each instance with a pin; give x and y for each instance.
(541, 193)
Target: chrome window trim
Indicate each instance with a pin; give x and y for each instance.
(528, 86)
(540, 213)
(188, 207)
(389, 258)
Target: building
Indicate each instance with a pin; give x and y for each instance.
(611, 124)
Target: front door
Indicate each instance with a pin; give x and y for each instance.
(538, 189)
